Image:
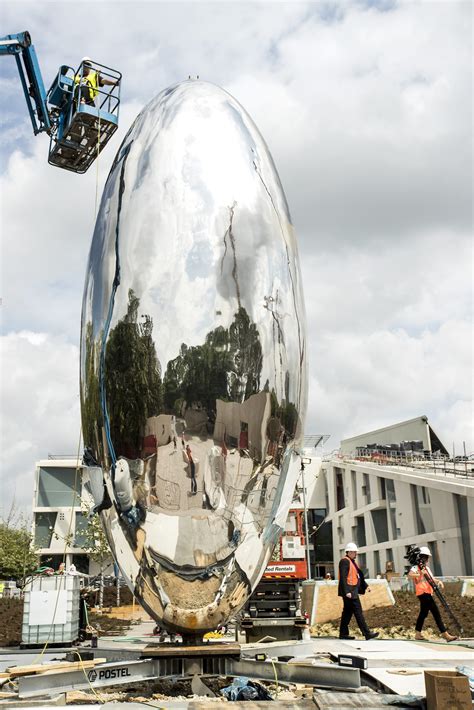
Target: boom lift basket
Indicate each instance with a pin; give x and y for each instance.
(82, 130)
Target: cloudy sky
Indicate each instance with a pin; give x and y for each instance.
(367, 110)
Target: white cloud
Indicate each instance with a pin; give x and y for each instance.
(40, 408)
(364, 383)
(48, 217)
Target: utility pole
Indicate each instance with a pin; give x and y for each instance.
(306, 531)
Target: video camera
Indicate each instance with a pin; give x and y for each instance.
(413, 555)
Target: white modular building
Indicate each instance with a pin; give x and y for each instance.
(59, 522)
(385, 491)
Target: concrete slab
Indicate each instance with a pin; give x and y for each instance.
(401, 681)
(395, 665)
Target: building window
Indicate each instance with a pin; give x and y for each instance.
(463, 522)
(80, 537)
(360, 531)
(423, 512)
(435, 559)
(362, 562)
(378, 569)
(354, 489)
(392, 506)
(389, 554)
(44, 528)
(82, 563)
(323, 540)
(51, 560)
(326, 492)
(383, 494)
(379, 519)
(56, 487)
(340, 532)
(366, 488)
(340, 500)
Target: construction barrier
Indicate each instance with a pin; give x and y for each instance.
(322, 603)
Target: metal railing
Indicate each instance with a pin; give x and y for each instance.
(54, 457)
(438, 465)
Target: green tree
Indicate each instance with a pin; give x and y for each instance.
(95, 543)
(18, 557)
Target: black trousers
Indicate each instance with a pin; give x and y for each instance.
(352, 607)
(193, 477)
(427, 604)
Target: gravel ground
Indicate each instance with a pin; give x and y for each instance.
(398, 621)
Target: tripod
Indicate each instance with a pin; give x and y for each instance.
(441, 597)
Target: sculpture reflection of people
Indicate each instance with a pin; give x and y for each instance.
(192, 468)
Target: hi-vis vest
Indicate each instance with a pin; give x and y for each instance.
(352, 575)
(422, 586)
(91, 80)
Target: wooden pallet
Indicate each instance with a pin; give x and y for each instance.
(17, 671)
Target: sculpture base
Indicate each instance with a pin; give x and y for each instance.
(183, 650)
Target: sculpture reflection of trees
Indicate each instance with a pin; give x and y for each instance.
(227, 366)
(197, 375)
(90, 393)
(132, 379)
(247, 356)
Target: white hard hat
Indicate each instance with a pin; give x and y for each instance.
(86, 59)
(425, 551)
(351, 547)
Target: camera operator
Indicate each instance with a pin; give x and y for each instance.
(420, 574)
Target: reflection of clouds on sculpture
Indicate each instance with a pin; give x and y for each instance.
(193, 386)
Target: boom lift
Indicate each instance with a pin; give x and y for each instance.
(78, 131)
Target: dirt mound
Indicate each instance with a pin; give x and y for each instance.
(110, 596)
(398, 621)
(11, 617)
(107, 625)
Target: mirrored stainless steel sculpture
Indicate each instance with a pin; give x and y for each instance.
(193, 374)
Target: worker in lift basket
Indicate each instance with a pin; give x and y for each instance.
(424, 592)
(90, 82)
(351, 584)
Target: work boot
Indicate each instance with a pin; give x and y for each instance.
(371, 635)
(419, 636)
(347, 638)
(447, 636)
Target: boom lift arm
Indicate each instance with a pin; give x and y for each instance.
(31, 79)
(78, 130)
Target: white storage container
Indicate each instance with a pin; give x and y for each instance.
(51, 610)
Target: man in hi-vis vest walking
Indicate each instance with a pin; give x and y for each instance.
(351, 584)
